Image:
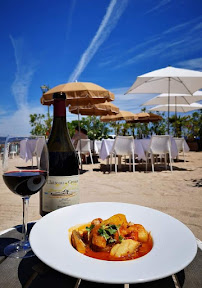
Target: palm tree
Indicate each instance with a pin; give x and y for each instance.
(178, 124)
(125, 128)
(116, 126)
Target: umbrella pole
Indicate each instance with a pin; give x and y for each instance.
(168, 105)
(175, 116)
(80, 137)
(94, 137)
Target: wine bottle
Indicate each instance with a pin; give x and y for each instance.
(61, 188)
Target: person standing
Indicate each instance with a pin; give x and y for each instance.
(79, 135)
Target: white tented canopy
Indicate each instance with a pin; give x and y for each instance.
(179, 107)
(174, 99)
(169, 80)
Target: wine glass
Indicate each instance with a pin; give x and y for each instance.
(25, 170)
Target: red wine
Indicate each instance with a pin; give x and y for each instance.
(25, 183)
(61, 188)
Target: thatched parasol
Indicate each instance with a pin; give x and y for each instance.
(150, 117)
(97, 109)
(79, 93)
(122, 115)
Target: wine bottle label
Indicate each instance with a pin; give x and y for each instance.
(60, 191)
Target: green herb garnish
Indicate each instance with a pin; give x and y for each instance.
(107, 231)
(112, 240)
(111, 229)
(104, 233)
(120, 238)
(90, 228)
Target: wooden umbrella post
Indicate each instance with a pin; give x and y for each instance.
(80, 137)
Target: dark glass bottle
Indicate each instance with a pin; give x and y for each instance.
(61, 188)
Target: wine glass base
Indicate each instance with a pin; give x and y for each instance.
(19, 249)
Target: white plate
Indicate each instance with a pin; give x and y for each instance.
(174, 244)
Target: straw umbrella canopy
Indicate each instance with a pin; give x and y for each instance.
(79, 93)
(122, 115)
(96, 109)
(151, 117)
(170, 80)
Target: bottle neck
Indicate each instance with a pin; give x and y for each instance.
(59, 108)
(59, 117)
(59, 132)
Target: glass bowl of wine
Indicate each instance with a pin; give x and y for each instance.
(25, 171)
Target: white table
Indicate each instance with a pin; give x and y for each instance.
(186, 146)
(174, 152)
(107, 145)
(30, 148)
(141, 146)
(95, 146)
(27, 148)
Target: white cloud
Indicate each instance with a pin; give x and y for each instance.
(180, 26)
(195, 64)
(17, 123)
(158, 49)
(3, 111)
(197, 27)
(129, 102)
(179, 45)
(114, 12)
(24, 73)
(70, 17)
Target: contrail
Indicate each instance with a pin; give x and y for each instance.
(23, 75)
(114, 12)
(70, 17)
(158, 6)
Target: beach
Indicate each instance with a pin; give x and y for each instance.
(177, 193)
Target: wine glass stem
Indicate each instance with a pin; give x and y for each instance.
(25, 218)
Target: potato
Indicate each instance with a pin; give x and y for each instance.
(142, 233)
(126, 247)
(77, 242)
(117, 219)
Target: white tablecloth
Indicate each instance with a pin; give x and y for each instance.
(107, 145)
(186, 146)
(96, 145)
(27, 148)
(30, 148)
(141, 146)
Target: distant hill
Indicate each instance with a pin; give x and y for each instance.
(2, 140)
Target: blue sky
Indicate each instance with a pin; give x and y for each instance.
(108, 42)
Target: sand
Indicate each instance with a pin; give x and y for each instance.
(178, 194)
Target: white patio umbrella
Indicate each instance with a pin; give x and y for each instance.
(170, 80)
(175, 98)
(180, 107)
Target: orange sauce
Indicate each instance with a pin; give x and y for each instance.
(143, 250)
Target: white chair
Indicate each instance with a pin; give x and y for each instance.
(123, 146)
(13, 150)
(83, 147)
(160, 145)
(180, 142)
(2, 152)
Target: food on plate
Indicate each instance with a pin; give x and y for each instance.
(112, 239)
